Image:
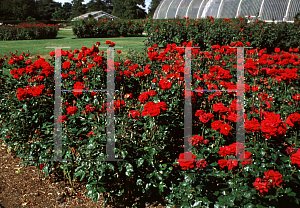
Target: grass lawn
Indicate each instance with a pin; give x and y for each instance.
(65, 38)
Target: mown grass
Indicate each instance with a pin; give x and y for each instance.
(66, 38)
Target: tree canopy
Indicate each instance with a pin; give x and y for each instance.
(49, 9)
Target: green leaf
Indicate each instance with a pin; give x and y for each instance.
(158, 176)
(79, 173)
(287, 190)
(110, 166)
(139, 182)
(140, 162)
(96, 196)
(247, 195)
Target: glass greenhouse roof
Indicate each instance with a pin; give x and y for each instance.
(96, 15)
(284, 10)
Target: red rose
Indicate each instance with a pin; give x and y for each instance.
(204, 118)
(290, 150)
(151, 93)
(164, 84)
(252, 126)
(64, 76)
(232, 164)
(273, 126)
(232, 149)
(85, 70)
(261, 186)
(62, 118)
(66, 65)
(247, 156)
(186, 160)
(41, 166)
(216, 125)
(277, 50)
(154, 109)
(72, 110)
(78, 86)
(195, 139)
(222, 163)
(201, 164)
(220, 107)
(134, 114)
(296, 97)
(293, 119)
(119, 104)
(143, 97)
(199, 113)
(273, 178)
(295, 158)
(225, 129)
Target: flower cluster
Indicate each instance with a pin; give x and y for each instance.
(235, 149)
(154, 109)
(271, 178)
(29, 92)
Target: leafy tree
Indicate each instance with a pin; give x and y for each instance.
(67, 7)
(128, 9)
(118, 8)
(21, 9)
(78, 8)
(6, 10)
(63, 13)
(96, 5)
(45, 9)
(153, 5)
(108, 6)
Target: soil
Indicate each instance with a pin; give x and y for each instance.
(27, 187)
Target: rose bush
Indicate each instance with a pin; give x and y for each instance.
(149, 124)
(207, 32)
(107, 28)
(28, 31)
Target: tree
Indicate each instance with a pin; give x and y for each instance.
(6, 10)
(108, 6)
(45, 9)
(63, 13)
(95, 5)
(128, 9)
(78, 8)
(118, 8)
(67, 7)
(153, 5)
(21, 9)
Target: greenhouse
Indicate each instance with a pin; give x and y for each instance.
(95, 15)
(281, 10)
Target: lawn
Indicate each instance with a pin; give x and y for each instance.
(66, 38)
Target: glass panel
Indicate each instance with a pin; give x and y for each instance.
(173, 8)
(194, 8)
(211, 8)
(182, 11)
(274, 9)
(229, 8)
(201, 9)
(157, 9)
(250, 7)
(163, 10)
(294, 9)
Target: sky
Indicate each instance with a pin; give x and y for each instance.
(86, 1)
